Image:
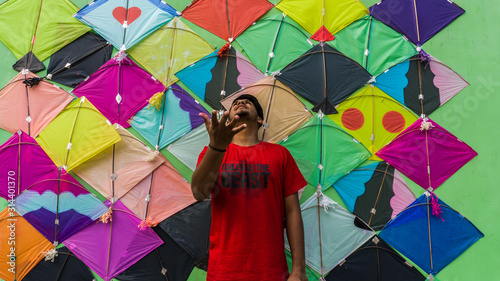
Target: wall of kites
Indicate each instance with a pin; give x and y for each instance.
(104, 131)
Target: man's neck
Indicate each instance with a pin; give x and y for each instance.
(247, 137)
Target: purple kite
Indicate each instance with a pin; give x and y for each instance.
(119, 89)
(114, 243)
(418, 23)
(427, 153)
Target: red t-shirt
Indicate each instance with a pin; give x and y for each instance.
(246, 237)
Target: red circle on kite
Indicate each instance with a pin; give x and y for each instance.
(353, 119)
(393, 122)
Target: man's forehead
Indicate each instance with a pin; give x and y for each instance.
(243, 99)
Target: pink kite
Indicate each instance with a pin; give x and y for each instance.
(427, 153)
(29, 103)
(119, 89)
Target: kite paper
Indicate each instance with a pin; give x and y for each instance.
(375, 260)
(58, 206)
(313, 143)
(125, 22)
(110, 248)
(119, 89)
(78, 133)
(215, 76)
(376, 193)
(171, 48)
(120, 167)
(22, 164)
(283, 111)
(178, 114)
(320, 15)
(158, 196)
(427, 153)
(30, 108)
(419, 21)
(65, 266)
(273, 42)
(225, 18)
(331, 233)
(324, 76)
(429, 241)
(373, 118)
(47, 26)
(188, 147)
(29, 246)
(79, 59)
(373, 45)
(422, 83)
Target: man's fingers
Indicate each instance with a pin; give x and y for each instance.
(215, 121)
(233, 122)
(223, 120)
(206, 120)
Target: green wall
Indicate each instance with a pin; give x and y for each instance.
(469, 46)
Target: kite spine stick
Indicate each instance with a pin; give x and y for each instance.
(378, 196)
(73, 131)
(228, 22)
(57, 207)
(429, 232)
(274, 45)
(416, 21)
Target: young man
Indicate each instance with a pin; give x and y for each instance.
(254, 188)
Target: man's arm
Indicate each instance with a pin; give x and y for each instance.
(221, 135)
(295, 234)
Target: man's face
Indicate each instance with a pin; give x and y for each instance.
(244, 108)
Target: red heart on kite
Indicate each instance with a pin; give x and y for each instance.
(120, 14)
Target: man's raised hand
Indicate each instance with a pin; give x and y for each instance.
(221, 132)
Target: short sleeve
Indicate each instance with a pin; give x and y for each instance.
(202, 154)
(293, 179)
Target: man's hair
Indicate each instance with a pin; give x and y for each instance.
(255, 102)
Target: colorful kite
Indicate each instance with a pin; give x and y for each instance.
(174, 114)
(23, 163)
(331, 233)
(375, 260)
(373, 118)
(167, 262)
(58, 206)
(313, 143)
(171, 48)
(65, 266)
(273, 42)
(29, 103)
(324, 76)
(419, 21)
(376, 193)
(430, 242)
(120, 167)
(29, 247)
(218, 75)
(47, 26)
(323, 18)
(79, 59)
(283, 111)
(422, 83)
(77, 134)
(119, 89)
(114, 243)
(125, 22)
(225, 18)
(427, 154)
(373, 44)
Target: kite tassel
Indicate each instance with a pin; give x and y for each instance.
(32, 81)
(51, 255)
(107, 217)
(156, 100)
(224, 51)
(436, 209)
(424, 58)
(425, 125)
(147, 223)
(325, 202)
(121, 56)
(151, 156)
